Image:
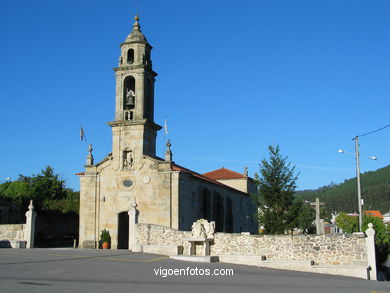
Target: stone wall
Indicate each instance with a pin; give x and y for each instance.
(322, 249)
(12, 232)
(149, 234)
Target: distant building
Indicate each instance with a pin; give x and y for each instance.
(374, 213)
(386, 218)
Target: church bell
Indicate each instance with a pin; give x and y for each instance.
(130, 102)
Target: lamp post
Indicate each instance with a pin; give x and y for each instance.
(359, 192)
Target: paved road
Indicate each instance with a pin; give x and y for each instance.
(49, 270)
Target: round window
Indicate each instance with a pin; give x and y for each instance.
(127, 183)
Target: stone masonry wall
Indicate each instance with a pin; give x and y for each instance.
(322, 249)
(12, 232)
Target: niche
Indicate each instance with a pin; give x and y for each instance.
(129, 93)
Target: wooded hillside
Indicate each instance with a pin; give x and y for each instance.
(343, 197)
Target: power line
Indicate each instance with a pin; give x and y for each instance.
(371, 132)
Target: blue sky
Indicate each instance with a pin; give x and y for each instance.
(234, 77)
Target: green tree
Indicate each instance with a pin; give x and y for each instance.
(382, 232)
(349, 224)
(46, 189)
(306, 217)
(275, 197)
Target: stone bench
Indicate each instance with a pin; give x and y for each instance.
(206, 242)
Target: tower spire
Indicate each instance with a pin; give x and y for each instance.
(136, 26)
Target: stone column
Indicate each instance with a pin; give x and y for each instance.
(133, 246)
(29, 231)
(370, 244)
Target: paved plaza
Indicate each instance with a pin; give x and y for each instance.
(72, 270)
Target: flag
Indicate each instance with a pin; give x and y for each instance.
(165, 127)
(81, 133)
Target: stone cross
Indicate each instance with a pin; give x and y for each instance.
(317, 205)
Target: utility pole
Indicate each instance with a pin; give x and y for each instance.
(357, 155)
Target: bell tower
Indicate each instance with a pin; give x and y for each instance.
(133, 130)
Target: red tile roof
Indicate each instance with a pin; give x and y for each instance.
(223, 174)
(176, 167)
(374, 213)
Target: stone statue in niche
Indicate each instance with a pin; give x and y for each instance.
(128, 160)
(203, 229)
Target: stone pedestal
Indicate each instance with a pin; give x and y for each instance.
(370, 243)
(29, 232)
(133, 246)
(205, 242)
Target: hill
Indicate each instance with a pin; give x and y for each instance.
(343, 197)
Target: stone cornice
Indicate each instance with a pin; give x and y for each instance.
(146, 68)
(145, 122)
(136, 42)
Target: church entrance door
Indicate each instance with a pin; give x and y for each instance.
(123, 230)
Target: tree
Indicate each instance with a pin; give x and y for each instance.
(382, 232)
(349, 224)
(306, 218)
(275, 193)
(46, 189)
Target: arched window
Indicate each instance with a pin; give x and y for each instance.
(130, 56)
(129, 93)
(149, 99)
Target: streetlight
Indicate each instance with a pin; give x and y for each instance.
(357, 157)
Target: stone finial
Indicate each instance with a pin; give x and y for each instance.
(133, 204)
(90, 156)
(168, 152)
(136, 26)
(245, 171)
(31, 206)
(370, 231)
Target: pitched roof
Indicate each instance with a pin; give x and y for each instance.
(223, 174)
(374, 213)
(176, 167)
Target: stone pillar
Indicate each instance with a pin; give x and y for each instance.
(29, 232)
(370, 244)
(133, 246)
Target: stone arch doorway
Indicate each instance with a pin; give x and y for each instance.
(123, 230)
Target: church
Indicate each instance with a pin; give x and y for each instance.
(166, 193)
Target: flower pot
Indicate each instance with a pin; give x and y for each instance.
(106, 245)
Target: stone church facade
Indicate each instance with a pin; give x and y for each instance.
(166, 193)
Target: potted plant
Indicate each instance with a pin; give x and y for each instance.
(105, 239)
